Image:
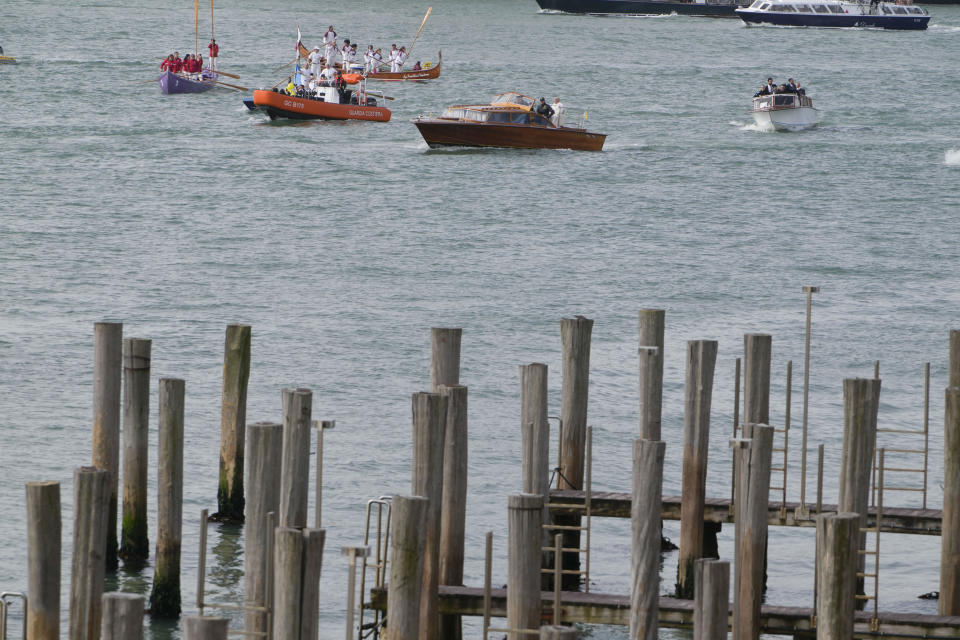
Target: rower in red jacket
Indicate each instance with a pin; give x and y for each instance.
(214, 49)
(177, 62)
(167, 64)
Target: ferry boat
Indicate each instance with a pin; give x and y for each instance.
(704, 8)
(785, 112)
(836, 13)
(508, 121)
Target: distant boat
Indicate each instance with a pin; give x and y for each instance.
(785, 112)
(875, 14)
(709, 9)
(7, 59)
(430, 73)
(508, 121)
(177, 83)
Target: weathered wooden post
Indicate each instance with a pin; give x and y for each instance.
(134, 542)
(837, 539)
(295, 465)
(122, 616)
(701, 361)
(407, 542)
(648, 458)
(91, 493)
(233, 418)
(535, 434)
(429, 432)
(204, 628)
(558, 632)
(263, 459)
(524, 520)
(322, 425)
(651, 324)
(575, 334)
(444, 357)
(165, 596)
(711, 605)
(861, 401)
(752, 502)
(107, 379)
(311, 567)
(288, 586)
(756, 377)
(43, 560)
(949, 604)
(453, 511)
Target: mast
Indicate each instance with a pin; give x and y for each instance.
(211, 19)
(196, 27)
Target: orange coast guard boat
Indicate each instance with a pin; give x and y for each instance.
(327, 103)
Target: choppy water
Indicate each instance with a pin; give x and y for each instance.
(343, 243)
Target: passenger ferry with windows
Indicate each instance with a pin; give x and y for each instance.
(785, 112)
(508, 121)
(836, 13)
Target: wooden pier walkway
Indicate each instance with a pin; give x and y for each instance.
(602, 608)
(617, 505)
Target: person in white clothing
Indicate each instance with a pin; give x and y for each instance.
(316, 60)
(377, 61)
(368, 59)
(344, 53)
(558, 111)
(401, 58)
(392, 57)
(329, 45)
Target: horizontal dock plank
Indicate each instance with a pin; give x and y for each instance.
(605, 608)
(606, 504)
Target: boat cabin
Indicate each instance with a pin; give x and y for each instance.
(902, 7)
(505, 108)
(781, 101)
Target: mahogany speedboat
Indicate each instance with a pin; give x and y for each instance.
(508, 121)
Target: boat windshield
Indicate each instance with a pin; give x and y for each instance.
(463, 113)
(512, 97)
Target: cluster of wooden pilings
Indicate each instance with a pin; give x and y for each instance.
(284, 556)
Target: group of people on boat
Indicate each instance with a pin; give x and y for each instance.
(190, 63)
(552, 112)
(370, 62)
(770, 88)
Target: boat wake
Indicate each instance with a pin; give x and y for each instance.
(944, 28)
(952, 157)
(751, 126)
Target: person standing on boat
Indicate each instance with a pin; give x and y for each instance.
(544, 109)
(392, 58)
(177, 62)
(791, 86)
(214, 51)
(368, 59)
(344, 53)
(167, 64)
(770, 86)
(401, 58)
(330, 44)
(376, 60)
(316, 60)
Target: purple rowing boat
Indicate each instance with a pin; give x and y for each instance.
(173, 83)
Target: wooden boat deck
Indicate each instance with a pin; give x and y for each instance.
(604, 608)
(605, 504)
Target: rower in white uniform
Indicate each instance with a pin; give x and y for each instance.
(392, 58)
(329, 45)
(401, 58)
(316, 60)
(377, 61)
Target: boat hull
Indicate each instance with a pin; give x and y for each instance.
(911, 23)
(641, 7)
(8, 60)
(416, 76)
(280, 105)
(438, 133)
(787, 119)
(172, 83)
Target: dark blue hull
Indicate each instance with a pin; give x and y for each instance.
(641, 7)
(835, 20)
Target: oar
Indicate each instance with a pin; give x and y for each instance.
(224, 73)
(232, 86)
(285, 64)
(287, 79)
(410, 50)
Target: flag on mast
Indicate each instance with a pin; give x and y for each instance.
(299, 40)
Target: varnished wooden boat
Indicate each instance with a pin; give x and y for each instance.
(508, 121)
(429, 73)
(280, 105)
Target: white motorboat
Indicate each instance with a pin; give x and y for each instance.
(785, 112)
(874, 14)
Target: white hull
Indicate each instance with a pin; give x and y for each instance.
(796, 119)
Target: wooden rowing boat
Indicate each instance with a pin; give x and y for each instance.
(277, 104)
(429, 73)
(175, 83)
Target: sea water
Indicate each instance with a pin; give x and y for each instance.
(343, 243)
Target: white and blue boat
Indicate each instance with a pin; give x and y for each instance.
(874, 14)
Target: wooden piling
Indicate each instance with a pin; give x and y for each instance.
(650, 324)
(711, 605)
(233, 418)
(122, 616)
(757, 349)
(263, 458)
(134, 541)
(204, 628)
(322, 426)
(751, 505)
(575, 334)
(861, 401)
(949, 604)
(524, 520)
(295, 465)
(557, 632)
(312, 565)
(954, 359)
(91, 493)
(836, 559)
(288, 583)
(165, 596)
(701, 361)
(43, 560)
(535, 434)
(107, 385)
(429, 432)
(648, 458)
(407, 542)
(444, 357)
(453, 511)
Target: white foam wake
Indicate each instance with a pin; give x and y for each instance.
(952, 157)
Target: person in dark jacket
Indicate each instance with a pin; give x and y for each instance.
(544, 109)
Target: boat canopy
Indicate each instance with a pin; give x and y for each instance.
(499, 116)
(512, 98)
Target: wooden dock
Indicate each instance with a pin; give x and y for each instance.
(603, 608)
(617, 505)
